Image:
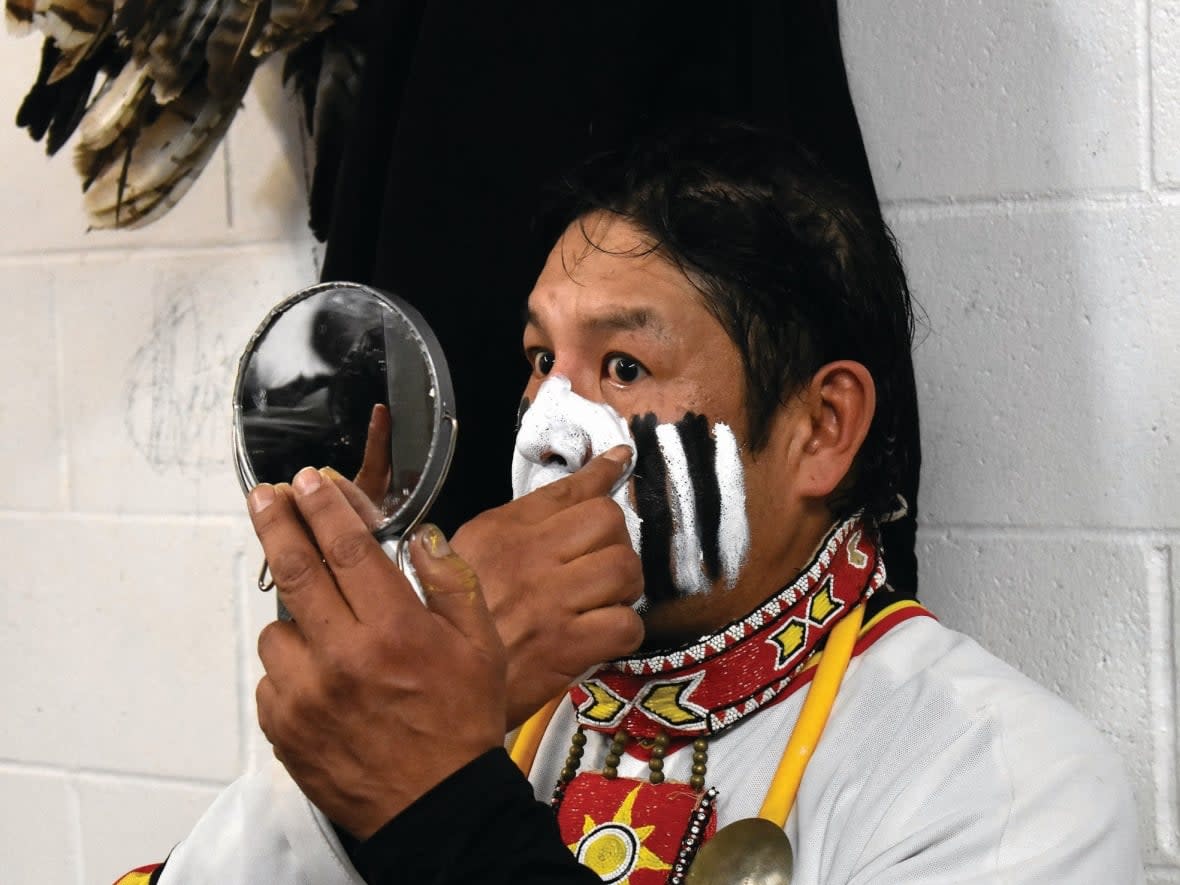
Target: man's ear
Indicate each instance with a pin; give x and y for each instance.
(841, 399)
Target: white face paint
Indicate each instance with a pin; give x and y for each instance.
(733, 535)
(561, 431)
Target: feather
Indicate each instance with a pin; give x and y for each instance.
(228, 51)
(155, 16)
(19, 16)
(74, 95)
(55, 104)
(176, 72)
(68, 61)
(75, 23)
(179, 49)
(291, 23)
(26, 15)
(130, 15)
(92, 162)
(37, 110)
(159, 164)
(291, 14)
(121, 102)
(72, 58)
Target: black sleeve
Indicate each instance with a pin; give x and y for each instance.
(481, 824)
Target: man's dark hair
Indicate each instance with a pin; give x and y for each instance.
(798, 269)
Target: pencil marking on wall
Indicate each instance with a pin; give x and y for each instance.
(178, 389)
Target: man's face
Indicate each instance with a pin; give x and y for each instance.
(628, 330)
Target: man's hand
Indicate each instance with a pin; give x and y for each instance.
(370, 698)
(560, 576)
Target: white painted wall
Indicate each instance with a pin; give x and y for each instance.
(1029, 156)
(127, 636)
(1028, 152)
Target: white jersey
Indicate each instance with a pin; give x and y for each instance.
(939, 764)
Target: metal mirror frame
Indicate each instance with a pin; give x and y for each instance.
(442, 446)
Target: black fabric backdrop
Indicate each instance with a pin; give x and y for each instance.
(468, 109)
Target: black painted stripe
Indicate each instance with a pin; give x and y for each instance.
(700, 451)
(651, 503)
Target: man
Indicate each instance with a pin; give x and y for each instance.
(704, 457)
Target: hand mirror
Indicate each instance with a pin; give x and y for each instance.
(349, 377)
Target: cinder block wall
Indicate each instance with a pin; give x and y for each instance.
(127, 637)
(1029, 156)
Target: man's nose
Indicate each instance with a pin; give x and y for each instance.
(551, 438)
(560, 432)
(561, 428)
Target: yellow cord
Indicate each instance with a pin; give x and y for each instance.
(812, 718)
(528, 739)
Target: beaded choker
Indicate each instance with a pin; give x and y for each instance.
(636, 833)
(751, 663)
(647, 832)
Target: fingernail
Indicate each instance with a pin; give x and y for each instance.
(332, 473)
(262, 497)
(619, 454)
(434, 541)
(307, 480)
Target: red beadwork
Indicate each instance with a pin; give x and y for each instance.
(626, 829)
(743, 667)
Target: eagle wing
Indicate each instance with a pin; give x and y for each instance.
(149, 87)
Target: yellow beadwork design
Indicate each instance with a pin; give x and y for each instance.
(667, 701)
(605, 706)
(789, 640)
(823, 603)
(614, 849)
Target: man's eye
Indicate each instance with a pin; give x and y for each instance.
(543, 362)
(624, 369)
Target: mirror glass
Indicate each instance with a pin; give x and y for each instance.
(349, 377)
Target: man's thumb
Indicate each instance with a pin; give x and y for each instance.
(451, 586)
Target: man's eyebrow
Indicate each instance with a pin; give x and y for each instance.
(620, 320)
(529, 317)
(626, 321)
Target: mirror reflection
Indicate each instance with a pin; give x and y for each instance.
(347, 377)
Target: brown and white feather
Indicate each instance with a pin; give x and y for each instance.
(71, 58)
(18, 15)
(154, 172)
(178, 52)
(228, 50)
(120, 103)
(72, 24)
(176, 73)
